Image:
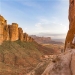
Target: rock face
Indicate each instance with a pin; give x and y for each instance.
(71, 13)
(6, 33)
(20, 33)
(1, 33)
(71, 31)
(2, 26)
(30, 39)
(62, 65)
(25, 35)
(12, 32)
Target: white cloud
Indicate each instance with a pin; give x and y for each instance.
(53, 36)
(54, 26)
(25, 28)
(39, 25)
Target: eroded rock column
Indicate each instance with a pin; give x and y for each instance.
(1, 33)
(20, 32)
(13, 32)
(71, 31)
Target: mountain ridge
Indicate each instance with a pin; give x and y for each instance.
(46, 40)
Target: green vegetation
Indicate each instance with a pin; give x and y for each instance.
(20, 56)
(18, 46)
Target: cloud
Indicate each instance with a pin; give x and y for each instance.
(53, 36)
(52, 15)
(52, 26)
(39, 26)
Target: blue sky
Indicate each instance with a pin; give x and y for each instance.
(40, 17)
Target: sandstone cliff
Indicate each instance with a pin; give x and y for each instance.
(12, 32)
(71, 31)
(20, 33)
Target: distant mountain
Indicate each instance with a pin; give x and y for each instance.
(59, 40)
(41, 39)
(46, 40)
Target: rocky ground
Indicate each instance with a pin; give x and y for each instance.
(62, 64)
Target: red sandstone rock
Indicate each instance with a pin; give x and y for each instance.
(71, 31)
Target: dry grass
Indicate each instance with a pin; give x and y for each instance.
(20, 57)
(58, 48)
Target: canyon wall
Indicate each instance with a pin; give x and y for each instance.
(71, 32)
(12, 32)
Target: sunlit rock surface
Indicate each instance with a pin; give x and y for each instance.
(71, 31)
(12, 32)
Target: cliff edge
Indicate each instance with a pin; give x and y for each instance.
(12, 32)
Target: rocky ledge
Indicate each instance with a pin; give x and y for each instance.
(62, 64)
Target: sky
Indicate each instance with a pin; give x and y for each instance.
(38, 17)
